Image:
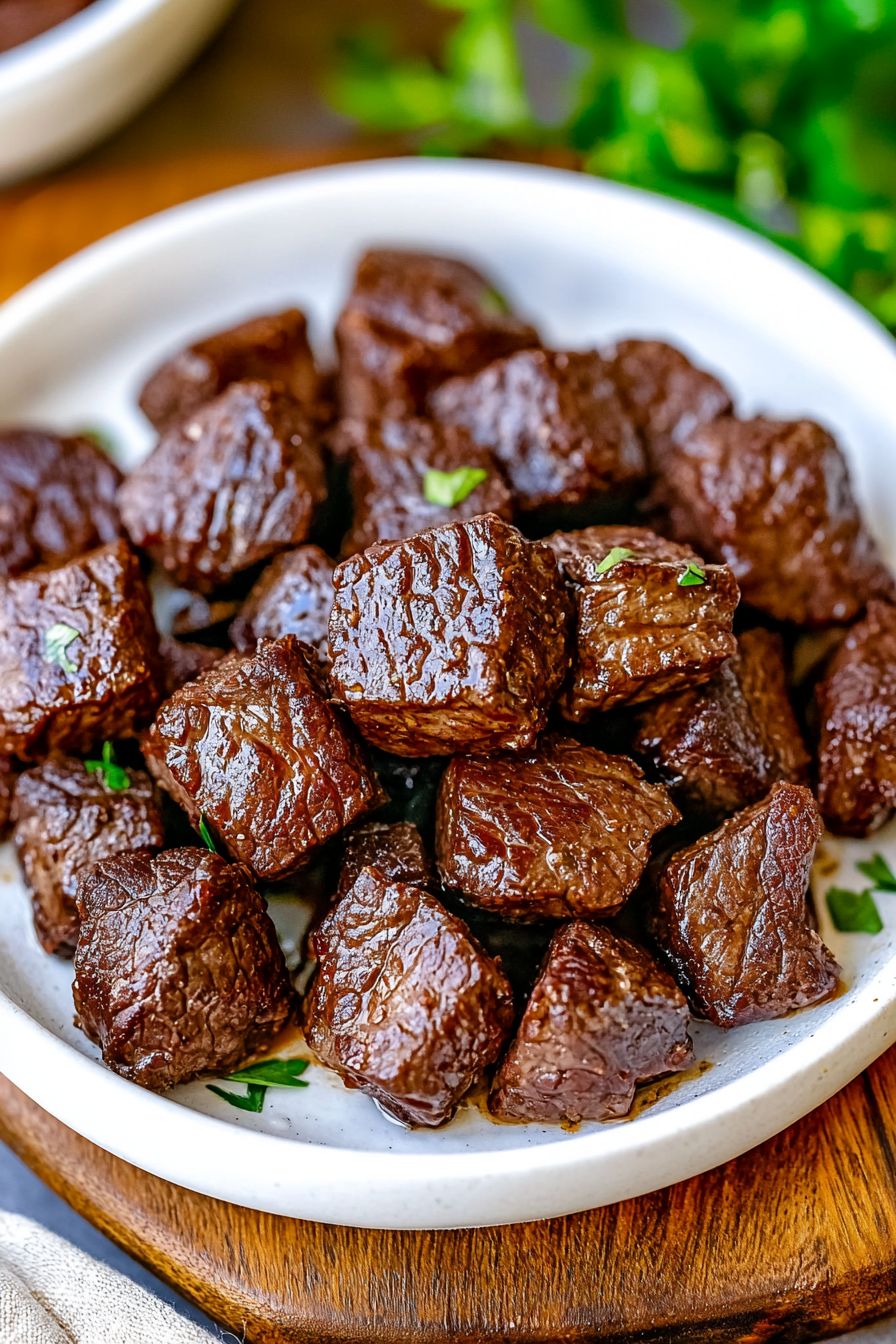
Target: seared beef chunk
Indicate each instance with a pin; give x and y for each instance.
(390, 460)
(293, 596)
(183, 662)
(79, 658)
(773, 500)
(233, 485)
(665, 395)
(602, 1017)
(857, 709)
(274, 349)
(648, 620)
(57, 499)
(66, 819)
(454, 640)
(7, 787)
(723, 745)
(405, 1005)
(255, 747)
(731, 914)
(397, 851)
(412, 321)
(178, 970)
(557, 831)
(555, 423)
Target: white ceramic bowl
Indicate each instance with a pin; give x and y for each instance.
(588, 261)
(75, 83)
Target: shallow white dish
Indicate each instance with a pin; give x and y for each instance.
(588, 261)
(75, 83)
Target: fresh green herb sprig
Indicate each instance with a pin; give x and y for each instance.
(879, 871)
(258, 1078)
(113, 776)
(692, 576)
(253, 1100)
(206, 835)
(56, 642)
(448, 488)
(856, 911)
(613, 557)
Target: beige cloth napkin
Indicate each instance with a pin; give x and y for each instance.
(52, 1293)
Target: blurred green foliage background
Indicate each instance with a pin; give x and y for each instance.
(780, 114)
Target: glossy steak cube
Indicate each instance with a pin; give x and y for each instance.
(556, 832)
(293, 596)
(256, 748)
(731, 914)
(665, 395)
(67, 818)
(79, 654)
(231, 486)
(603, 1016)
(183, 661)
(178, 970)
(396, 850)
(454, 640)
(410, 322)
(405, 1005)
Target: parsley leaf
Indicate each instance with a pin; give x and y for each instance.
(692, 576)
(114, 777)
(854, 912)
(56, 641)
(492, 303)
(252, 1101)
(272, 1072)
(206, 835)
(612, 558)
(880, 873)
(451, 487)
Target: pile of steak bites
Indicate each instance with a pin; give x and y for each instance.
(536, 737)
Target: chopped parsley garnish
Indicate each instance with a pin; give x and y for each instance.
(252, 1101)
(56, 642)
(692, 576)
(97, 436)
(206, 836)
(451, 487)
(114, 777)
(612, 558)
(880, 873)
(854, 911)
(492, 303)
(258, 1078)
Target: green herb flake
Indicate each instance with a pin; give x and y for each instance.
(879, 872)
(252, 1101)
(273, 1073)
(613, 557)
(448, 488)
(854, 911)
(97, 436)
(206, 836)
(692, 576)
(114, 777)
(492, 303)
(56, 642)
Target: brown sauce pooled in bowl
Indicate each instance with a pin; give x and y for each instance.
(21, 20)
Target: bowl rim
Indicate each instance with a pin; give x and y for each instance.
(72, 40)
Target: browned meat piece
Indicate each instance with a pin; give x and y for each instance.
(404, 1005)
(7, 788)
(293, 596)
(648, 621)
(453, 640)
(603, 1016)
(198, 613)
(397, 851)
(79, 655)
(256, 748)
(57, 499)
(555, 423)
(273, 349)
(390, 460)
(178, 970)
(562, 830)
(857, 704)
(21, 20)
(773, 500)
(723, 745)
(731, 914)
(665, 395)
(183, 662)
(66, 819)
(412, 321)
(232, 486)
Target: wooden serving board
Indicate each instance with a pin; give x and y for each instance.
(791, 1242)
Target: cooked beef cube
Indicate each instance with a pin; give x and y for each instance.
(230, 487)
(57, 499)
(857, 710)
(665, 395)
(603, 1016)
(731, 914)
(273, 349)
(255, 747)
(21, 20)
(7, 788)
(293, 596)
(67, 818)
(555, 423)
(404, 1004)
(183, 662)
(722, 745)
(561, 830)
(389, 464)
(653, 619)
(198, 613)
(773, 500)
(178, 971)
(412, 321)
(79, 654)
(453, 640)
(397, 851)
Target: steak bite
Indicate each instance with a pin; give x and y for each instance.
(555, 423)
(404, 1004)
(397, 851)
(178, 971)
(556, 832)
(67, 818)
(230, 487)
(651, 617)
(665, 395)
(722, 745)
(183, 661)
(273, 349)
(773, 500)
(603, 1016)
(410, 322)
(731, 914)
(392, 486)
(453, 640)
(293, 596)
(79, 654)
(255, 747)
(57, 499)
